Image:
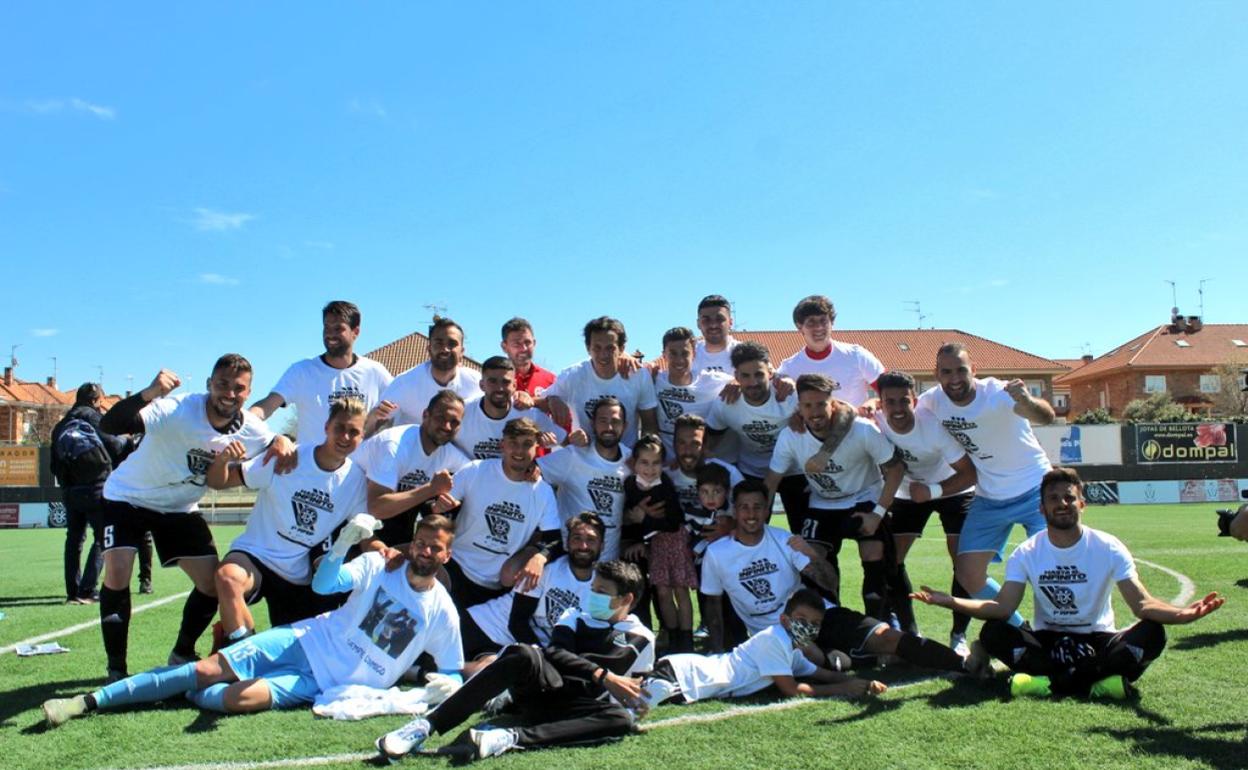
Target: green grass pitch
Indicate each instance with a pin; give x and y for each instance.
(1190, 714)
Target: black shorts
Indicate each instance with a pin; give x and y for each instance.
(287, 601)
(910, 518)
(846, 630)
(825, 526)
(475, 641)
(176, 535)
(465, 593)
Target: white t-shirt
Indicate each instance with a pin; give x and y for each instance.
(558, 590)
(297, 511)
(497, 518)
(381, 630)
(1072, 586)
(758, 579)
(396, 459)
(756, 428)
(481, 436)
(311, 384)
(166, 473)
(1008, 459)
(852, 474)
(581, 388)
(412, 390)
(694, 398)
(585, 481)
(928, 451)
(687, 486)
(706, 361)
(744, 670)
(853, 369)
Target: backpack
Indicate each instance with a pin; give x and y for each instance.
(80, 454)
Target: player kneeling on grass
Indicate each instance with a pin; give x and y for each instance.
(579, 688)
(1074, 649)
(771, 656)
(390, 619)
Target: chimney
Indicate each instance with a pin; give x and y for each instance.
(1176, 320)
(8, 375)
(52, 383)
(1194, 324)
(1087, 358)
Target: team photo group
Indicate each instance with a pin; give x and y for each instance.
(565, 552)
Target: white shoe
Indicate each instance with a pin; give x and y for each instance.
(658, 690)
(492, 742)
(978, 664)
(957, 643)
(58, 711)
(399, 743)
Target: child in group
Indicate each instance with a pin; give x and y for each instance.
(671, 561)
(713, 519)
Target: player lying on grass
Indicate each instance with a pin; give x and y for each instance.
(1074, 648)
(390, 618)
(771, 656)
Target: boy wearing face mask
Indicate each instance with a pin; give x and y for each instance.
(581, 687)
(772, 656)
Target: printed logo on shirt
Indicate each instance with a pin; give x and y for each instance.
(826, 481)
(558, 600)
(389, 626)
(763, 433)
(487, 449)
(307, 505)
(349, 390)
(671, 399)
(754, 579)
(499, 518)
(958, 427)
(1062, 599)
(1063, 573)
(197, 462)
(908, 457)
(759, 588)
(605, 491)
(413, 479)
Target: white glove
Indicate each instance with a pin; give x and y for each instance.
(439, 687)
(359, 527)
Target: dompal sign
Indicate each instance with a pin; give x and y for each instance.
(1185, 442)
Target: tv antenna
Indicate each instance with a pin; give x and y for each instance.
(917, 310)
(1174, 293)
(436, 310)
(1200, 289)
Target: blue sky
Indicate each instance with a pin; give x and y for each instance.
(179, 182)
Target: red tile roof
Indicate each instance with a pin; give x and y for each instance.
(42, 394)
(406, 352)
(1158, 348)
(914, 350)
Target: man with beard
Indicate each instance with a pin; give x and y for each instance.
(313, 383)
(689, 440)
(578, 388)
(411, 390)
(992, 421)
(410, 466)
(289, 666)
(680, 389)
(158, 488)
(518, 343)
(591, 478)
(1072, 647)
(714, 351)
(481, 434)
(529, 616)
(757, 417)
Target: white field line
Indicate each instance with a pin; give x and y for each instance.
(90, 623)
(1187, 589)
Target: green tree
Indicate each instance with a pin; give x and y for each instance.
(1098, 416)
(1158, 407)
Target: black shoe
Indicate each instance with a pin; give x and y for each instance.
(145, 586)
(115, 675)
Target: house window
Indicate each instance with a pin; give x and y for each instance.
(1035, 388)
(1154, 383)
(1060, 401)
(1210, 383)
(1183, 343)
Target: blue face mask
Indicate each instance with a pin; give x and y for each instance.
(600, 606)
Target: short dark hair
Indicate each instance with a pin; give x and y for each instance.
(714, 474)
(815, 304)
(516, 324)
(895, 379)
(607, 401)
(521, 427)
(804, 597)
(435, 522)
(677, 334)
(442, 322)
(498, 362)
(749, 486)
(819, 383)
(624, 575)
(952, 349)
(650, 441)
(748, 351)
(715, 300)
(444, 396)
(606, 324)
(587, 519)
(1061, 475)
(340, 308)
(87, 393)
(688, 420)
(234, 362)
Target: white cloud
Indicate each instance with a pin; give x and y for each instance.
(216, 279)
(45, 332)
(369, 107)
(211, 220)
(53, 106)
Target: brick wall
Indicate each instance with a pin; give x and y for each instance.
(1124, 387)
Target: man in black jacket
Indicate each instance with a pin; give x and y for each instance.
(581, 687)
(82, 481)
